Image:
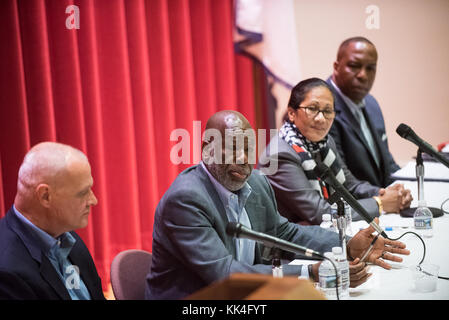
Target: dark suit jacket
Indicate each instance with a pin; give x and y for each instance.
(191, 248)
(296, 199)
(352, 146)
(27, 274)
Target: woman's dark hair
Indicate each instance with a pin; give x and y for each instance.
(300, 91)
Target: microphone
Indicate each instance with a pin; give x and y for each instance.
(407, 133)
(323, 171)
(240, 231)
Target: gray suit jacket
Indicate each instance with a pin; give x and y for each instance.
(191, 248)
(296, 199)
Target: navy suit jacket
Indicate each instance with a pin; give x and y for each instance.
(27, 274)
(191, 248)
(352, 145)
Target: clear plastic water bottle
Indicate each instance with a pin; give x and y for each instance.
(423, 219)
(343, 266)
(327, 222)
(277, 268)
(348, 216)
(329, 281)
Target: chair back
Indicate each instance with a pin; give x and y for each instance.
(128, 272)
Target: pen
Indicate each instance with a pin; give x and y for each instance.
(369, 249)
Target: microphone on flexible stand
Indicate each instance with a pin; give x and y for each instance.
(407, 133)
(240, 231)
(323, 171)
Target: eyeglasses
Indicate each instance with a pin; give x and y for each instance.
(313, 111)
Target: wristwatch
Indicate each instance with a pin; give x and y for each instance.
(379, 203)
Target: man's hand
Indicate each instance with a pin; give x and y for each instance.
(382, 250)
(395, 198)
(358, 273)
(406, 195)
(391, 199)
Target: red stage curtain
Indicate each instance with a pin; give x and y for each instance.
(116, 88)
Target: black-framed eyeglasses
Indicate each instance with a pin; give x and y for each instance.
(312, 112)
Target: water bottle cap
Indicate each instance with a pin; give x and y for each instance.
(337, 250)
(326, 217)
(422, 203)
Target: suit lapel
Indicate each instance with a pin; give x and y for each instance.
(78, 259)
(212, 193)
(254, 211)
(256, 214)
(347, 116)
(47, 270)
(210, 189)
(253, 208)
(49, 273)
(378, 142)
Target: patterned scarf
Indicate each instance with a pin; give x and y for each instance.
(305, 148)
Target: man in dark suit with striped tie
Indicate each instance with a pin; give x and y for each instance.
(359, 127)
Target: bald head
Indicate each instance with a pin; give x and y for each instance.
(228, 148)
(226, 125)
(45, 162)
(342, 50)
(228, 119)
(54, 188)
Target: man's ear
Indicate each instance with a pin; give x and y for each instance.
(204, 143)
(42, 192)
(336, 64)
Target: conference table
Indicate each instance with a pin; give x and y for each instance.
(397, 283)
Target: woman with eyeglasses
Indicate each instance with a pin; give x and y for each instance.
(302, 141)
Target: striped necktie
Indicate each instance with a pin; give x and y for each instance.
(360, 115)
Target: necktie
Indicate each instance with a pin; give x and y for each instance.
(69, 273)
(367, 134)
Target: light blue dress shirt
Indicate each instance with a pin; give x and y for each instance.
(235, 211)
(234, 204)
(57, 251)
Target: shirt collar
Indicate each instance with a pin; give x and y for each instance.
(64, 245)
(354, 107)
(46, 241)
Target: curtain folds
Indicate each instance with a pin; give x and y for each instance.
(116, 88)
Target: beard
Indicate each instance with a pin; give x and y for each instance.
(232, 176)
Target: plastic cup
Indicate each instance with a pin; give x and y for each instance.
(425, 277)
